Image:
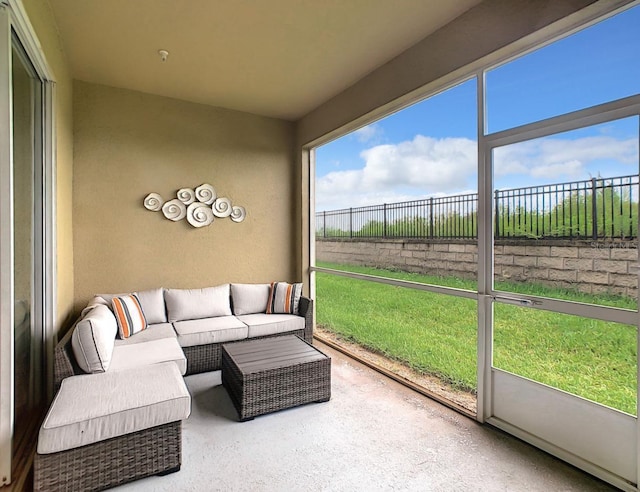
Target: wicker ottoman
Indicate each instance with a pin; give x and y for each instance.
(263, 376)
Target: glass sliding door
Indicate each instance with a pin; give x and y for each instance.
(26, 245)
(28, 339)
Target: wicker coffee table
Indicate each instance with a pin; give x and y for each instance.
(270, 374)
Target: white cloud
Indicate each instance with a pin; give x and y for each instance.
(572, 169)
(368, 133)
(362, 200)
(421, 167)
(555, 158)
(427, 166)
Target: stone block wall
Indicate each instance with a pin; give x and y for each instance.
(590, 266)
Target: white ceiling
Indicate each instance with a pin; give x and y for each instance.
(279, 58)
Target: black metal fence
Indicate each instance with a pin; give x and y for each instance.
(590, 209)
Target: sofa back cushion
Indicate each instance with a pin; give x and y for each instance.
(152, 302)
(249, 298)
(93, 339)
(183, 304)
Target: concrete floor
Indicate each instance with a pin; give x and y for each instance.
(373, 435)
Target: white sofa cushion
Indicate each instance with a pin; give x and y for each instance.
(96, 407)
(153, 332)
(151, 301)
(183, 304)
(210, 330)
(261, 325)
(93, 339)
(132, 355)
(249, 298)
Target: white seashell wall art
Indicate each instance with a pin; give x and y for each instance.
(186, 196)
(206, 194)
(222, 207)
(153, 202)
(174, 210)
(199, 214)
(200, 206)
(238, 214)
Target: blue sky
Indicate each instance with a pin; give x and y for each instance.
(429, 149)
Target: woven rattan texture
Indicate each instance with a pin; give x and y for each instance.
(305, 308)
(64, 361)
(276, 389)
(105, 464)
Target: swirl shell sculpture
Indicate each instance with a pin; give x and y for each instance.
(238, 214)
(222, 207)
(199, 206)
(186, 196)
(199, 214)
(153, 202)
(206, 194)
(174, 210)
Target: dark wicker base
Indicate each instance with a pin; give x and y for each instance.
(275, 389)
(113, 462)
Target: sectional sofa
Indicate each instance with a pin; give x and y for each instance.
(120, 397)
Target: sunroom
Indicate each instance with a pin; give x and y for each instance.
(103, 103)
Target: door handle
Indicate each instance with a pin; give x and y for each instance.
(516, 301)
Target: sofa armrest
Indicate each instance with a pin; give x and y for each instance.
(305, 309)
(64, 364)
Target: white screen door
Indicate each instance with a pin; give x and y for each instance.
(563, 299)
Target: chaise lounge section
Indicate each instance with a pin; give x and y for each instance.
(107, 429)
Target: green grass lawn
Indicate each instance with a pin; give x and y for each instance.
(436, 334)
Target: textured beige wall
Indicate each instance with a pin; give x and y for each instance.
(128, 144)
(42, 19)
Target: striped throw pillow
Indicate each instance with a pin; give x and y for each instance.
(284, 298)
(129, 315)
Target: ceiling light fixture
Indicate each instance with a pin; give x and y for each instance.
(164, 54)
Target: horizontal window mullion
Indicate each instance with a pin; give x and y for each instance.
(468, 294)
(602, 113)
